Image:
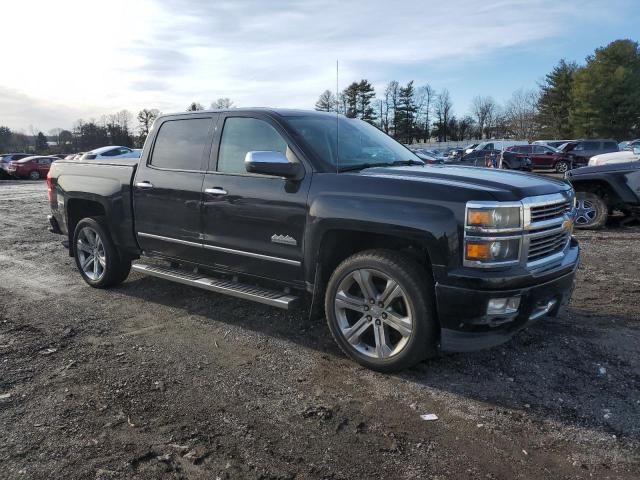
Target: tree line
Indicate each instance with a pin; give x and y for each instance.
(598, 99)
(114, 129)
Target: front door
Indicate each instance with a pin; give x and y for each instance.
(167, 189)
(543, 156)
(253, 223)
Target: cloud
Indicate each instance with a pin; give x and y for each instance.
(20, 111)
(167, 53)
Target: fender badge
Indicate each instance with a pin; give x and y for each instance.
(284, 239)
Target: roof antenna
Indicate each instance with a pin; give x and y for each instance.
(337, 122)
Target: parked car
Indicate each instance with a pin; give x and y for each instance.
(469, 148)
(629, 144)
(111, 152)
(604, 188)
(7, 158)
(623, 156)
(544, 156)
(33, 168)
(580, 151)
(499, 144)
(407, 258)
(551, 143)
(485, 158)
(427, 157)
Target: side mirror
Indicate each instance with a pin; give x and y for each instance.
(275, 164)
(636, 150)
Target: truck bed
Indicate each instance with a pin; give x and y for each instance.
(104, 182)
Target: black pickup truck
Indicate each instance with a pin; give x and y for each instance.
(406, 259)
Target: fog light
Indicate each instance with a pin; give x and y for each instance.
(503, 306)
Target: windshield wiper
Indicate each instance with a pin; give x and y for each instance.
(406, 162)
(362, 166)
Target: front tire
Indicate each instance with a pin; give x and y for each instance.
(99, 262)
(380, 310)
(592, 211)
(561, 166)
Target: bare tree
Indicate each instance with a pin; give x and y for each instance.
(326, 102)
(222, 103)
(424, 98)
(145, 118)
(521, 113)
(484, 109)
(391, 101)
(443, 110)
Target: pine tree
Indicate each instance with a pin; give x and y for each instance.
(606, 92)
(404, 118)
(350, 95)
(364, 108)
(194, 107)
(41, 142)
(555, 101)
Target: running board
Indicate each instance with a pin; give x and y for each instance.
(273, 298)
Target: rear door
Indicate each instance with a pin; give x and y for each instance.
(253, 223)
(167, 189)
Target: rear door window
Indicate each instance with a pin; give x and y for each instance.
(610, 146)
(180, 144)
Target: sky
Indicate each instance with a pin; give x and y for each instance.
(70, 59)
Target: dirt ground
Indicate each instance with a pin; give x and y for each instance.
(158, 380)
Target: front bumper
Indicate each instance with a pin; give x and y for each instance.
(465, 325)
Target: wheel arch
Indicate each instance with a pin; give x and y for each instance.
(600, 188)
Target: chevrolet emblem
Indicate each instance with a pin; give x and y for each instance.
(568, 225)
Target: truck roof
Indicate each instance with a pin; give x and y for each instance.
(283, 112)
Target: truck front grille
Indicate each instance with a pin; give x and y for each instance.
(544, 246)
(550, 211)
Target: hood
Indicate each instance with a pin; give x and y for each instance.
(623, 156)
(606, 168)
(503, 185)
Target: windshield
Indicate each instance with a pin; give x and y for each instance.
(360, 145)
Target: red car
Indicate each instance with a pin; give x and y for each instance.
(33, 168)
(543, 156)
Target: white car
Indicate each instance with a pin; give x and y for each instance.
(499, 144)
(112, 152)
(622, 156)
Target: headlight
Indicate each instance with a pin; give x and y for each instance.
(493, 218)
(491, 250)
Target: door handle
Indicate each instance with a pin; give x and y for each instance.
(215, 191)
(144, 184)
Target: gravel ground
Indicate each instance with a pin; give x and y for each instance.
(159, 380)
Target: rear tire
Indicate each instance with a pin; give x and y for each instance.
(34, 175)
(99, 261)
(592, 211)
(380, 310)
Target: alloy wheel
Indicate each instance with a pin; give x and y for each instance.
(373, 313)
(91, 254)
(586, 212)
